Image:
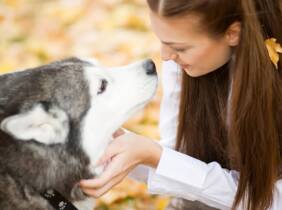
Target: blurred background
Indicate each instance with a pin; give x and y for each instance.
(116, 32)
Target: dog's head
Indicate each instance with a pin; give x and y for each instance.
(74, 100)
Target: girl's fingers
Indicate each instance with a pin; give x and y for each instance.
(111, 151)
(101, 191)
(108, 186)
(90, 192)
(97, 182)
(113, 169)
(114, 148)
(118, 133)
(103, 160)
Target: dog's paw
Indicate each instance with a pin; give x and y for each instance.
(45, 126)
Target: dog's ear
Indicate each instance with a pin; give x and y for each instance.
(45, 126)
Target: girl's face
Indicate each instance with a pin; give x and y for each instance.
(194, 50)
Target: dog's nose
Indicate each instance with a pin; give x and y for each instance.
(150, 67)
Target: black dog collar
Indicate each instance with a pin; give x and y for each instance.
(57, 200)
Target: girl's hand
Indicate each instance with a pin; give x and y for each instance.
(123, 154)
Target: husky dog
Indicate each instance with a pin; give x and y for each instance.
(56, 121)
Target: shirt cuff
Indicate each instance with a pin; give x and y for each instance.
(182, 168)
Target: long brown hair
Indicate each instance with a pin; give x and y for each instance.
(234, 115)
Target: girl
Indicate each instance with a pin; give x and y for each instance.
(229, 119)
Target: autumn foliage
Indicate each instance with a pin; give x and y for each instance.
(116, 32)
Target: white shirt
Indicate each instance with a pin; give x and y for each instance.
(180, 175)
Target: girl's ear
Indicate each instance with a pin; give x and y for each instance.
(232, 34)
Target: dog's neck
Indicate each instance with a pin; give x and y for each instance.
(94, 142)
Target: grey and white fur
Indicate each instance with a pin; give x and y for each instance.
(56, 121)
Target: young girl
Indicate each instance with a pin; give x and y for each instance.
(229, 118)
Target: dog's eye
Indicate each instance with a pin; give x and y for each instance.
(103, 86)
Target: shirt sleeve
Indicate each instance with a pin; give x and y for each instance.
(185, 177)
(171, 85)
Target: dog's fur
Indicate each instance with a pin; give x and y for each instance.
(56, 121)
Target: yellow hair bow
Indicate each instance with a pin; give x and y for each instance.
(273, 49)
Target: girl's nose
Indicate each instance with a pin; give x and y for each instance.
(167, 53)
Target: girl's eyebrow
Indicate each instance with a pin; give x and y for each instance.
(172, 43)
(176, 43)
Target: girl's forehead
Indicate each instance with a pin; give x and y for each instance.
(177, 29)
(193, 20)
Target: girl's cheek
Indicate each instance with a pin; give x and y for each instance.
(190, 58)
(200, 57)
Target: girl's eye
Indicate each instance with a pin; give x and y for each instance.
(103, 86)
(180, 50)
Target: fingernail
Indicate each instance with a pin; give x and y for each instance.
(118, 133)
(82, 182)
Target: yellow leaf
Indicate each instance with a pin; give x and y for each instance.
(162, 203)
(5, 68)
(273, 49)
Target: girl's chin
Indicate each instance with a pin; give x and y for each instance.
(188, 70)
(193, 73)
